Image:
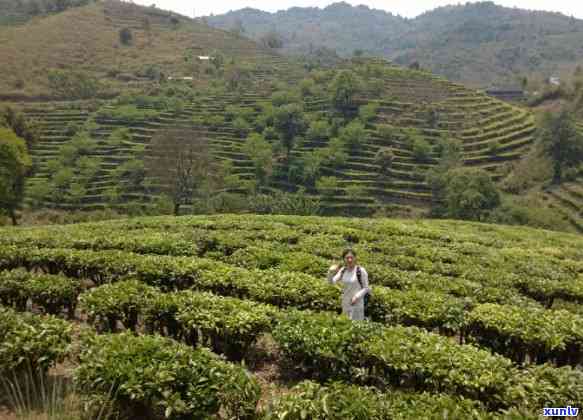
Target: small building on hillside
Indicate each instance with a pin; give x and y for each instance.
(555, 80)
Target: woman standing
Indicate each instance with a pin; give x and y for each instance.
(354, 280)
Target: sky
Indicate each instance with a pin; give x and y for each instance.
(405, 8)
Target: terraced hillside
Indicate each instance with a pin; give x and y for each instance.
(466, 320)
(567, 199)
(409, 104)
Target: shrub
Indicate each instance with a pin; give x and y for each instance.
(122, 301)
(367, 113)
(421, 149)
(74, 84)
(31, 341)
(338, 400)
(319, 129)
(163, 378)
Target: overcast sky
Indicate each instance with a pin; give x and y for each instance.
(406, 8)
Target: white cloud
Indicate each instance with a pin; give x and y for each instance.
(403, 8)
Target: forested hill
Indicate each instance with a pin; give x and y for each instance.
(478, 44)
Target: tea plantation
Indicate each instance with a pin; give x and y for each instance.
(467, 320)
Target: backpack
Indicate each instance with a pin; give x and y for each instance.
(359, 277)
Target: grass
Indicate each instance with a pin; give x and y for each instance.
(34, 395)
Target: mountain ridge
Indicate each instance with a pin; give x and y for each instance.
(479, 44)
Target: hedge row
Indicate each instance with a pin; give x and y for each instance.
(339, 401)
(228, 325)
(518, 332)
(282, 289)
(544, 277)
(335, 347)
(51, 292)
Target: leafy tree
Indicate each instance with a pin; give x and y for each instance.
(290, 122)
(180, 162)
(368, 112)
(22, 127)
(334, 154)
(260, 152)
(421, 149)
(319, 129)
(450, 158)
(15, 164)
(311, 166)
(39, 192)
(470, 194)
(561, 141)
(345, 87)
(353, 135)
(384, 158)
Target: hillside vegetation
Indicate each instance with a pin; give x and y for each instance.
(409, 113)
(479, 44)
(358, 136)
(465, 318)
(88, 39)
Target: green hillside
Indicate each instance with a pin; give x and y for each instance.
(479, 44)
(477, 320)
(411, 105)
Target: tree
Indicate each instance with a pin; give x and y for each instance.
(345, 87)
(311, 165)
(180, 162)
(561, 141)
(470, 194)
(450, 157)
(21, 126)
(353, 135)
(260, 152)
(289, 121)
(384, 158)
(15, 164)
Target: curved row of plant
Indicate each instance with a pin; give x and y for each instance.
(516, 271)
(227, 325)
(327, 346)
(153, 375)
(426, 309)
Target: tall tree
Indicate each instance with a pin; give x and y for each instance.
(345, 87)
(561, 141)
(260, 152)
(289, 120)
(15, 164)
(181, 163)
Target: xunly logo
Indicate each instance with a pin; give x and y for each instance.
(568, 411)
